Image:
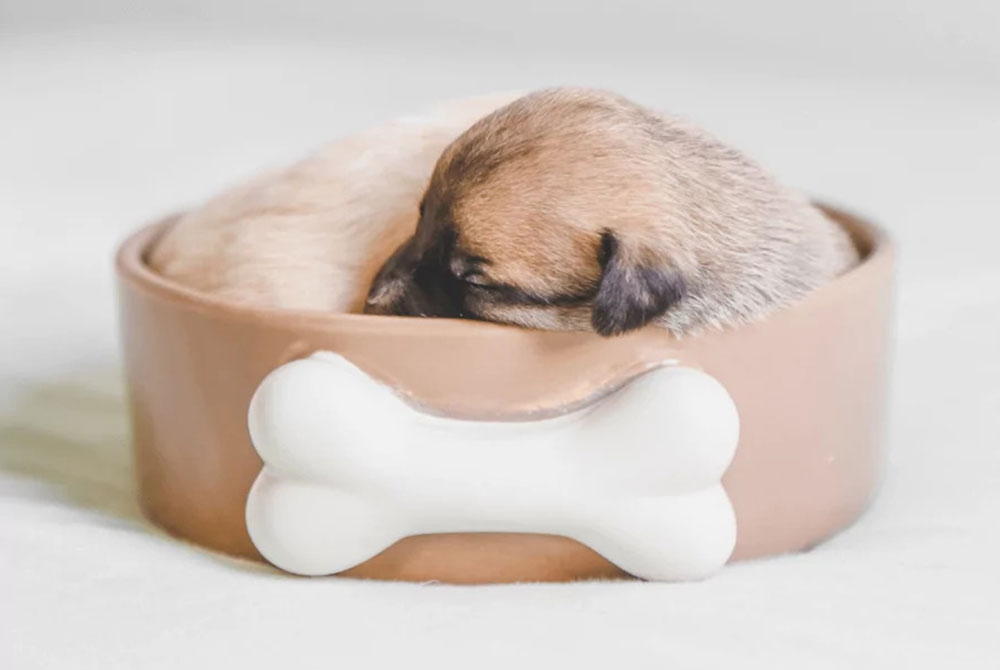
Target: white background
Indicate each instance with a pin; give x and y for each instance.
(113, 113)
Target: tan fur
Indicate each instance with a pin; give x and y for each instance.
(313, 235)
(532, 188)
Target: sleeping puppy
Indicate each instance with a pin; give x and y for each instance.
(313, 235)
(577, 209)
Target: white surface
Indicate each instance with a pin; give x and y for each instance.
(351, 468)
(102, 129)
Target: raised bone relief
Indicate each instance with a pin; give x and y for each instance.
(350, 467)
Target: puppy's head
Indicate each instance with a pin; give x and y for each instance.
(543, 214)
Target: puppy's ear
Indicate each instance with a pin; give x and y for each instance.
(633, 289)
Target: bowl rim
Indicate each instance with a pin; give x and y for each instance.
(131, 267)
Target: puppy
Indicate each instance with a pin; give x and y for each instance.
(312, 236)
(577, 209)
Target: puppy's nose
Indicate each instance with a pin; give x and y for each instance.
(383, 294)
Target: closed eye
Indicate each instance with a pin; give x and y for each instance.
(478, 280)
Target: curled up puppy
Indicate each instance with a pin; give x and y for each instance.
(562, 209)
(577, 209)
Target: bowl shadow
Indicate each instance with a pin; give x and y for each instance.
(71, 435)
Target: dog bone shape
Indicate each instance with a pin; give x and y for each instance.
(350, 467)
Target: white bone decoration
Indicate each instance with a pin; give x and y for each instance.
(350, 467)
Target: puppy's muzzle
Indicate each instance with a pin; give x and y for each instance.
(401, 296)
(404, 287)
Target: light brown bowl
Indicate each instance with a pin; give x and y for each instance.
(809, 384)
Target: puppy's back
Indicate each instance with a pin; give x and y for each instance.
(312, 236)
